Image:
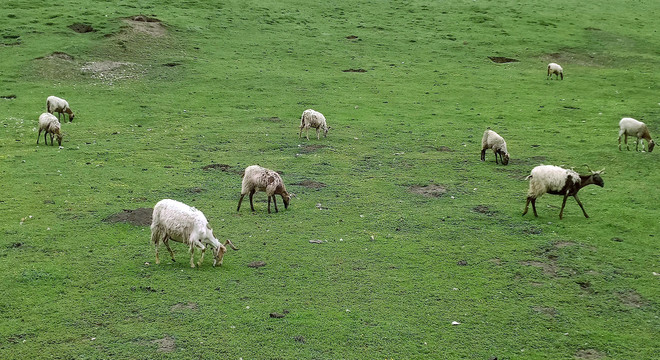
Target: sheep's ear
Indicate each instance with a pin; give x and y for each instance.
(292, 195)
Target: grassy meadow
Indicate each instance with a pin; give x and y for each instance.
(415, 232)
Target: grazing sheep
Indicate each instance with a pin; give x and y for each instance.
(632, 127)
(60, 106)
(558, 181)
(174, 220)
(258, 178)
(314, 119)
(556, 70)
(492, 140)
(50, 125)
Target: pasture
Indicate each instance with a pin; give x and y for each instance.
(397, 229)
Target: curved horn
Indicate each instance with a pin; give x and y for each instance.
(228, 242)
(588, 168)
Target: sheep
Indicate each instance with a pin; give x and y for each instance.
(50, 125)
(60, 106)
(556, 70)
(174, 220)
(558, 181)
(632, 127)
(312, 118)
(492, 140)
(258, 178)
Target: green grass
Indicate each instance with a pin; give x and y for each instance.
(386, 282)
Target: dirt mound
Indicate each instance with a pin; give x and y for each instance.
(137, 217)
(431, 190)
(165, 344)
(81, 28)
(112, 70)
(57, 55)
(502, 59)
(146, 25)
(311, 184)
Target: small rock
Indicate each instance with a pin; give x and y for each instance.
(256, 264)
(455, 323)
(617, 239)
(316, 241)
(277, 315)
(462, 263)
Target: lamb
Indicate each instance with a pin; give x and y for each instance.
(558, 181)
(556, 70)
(60, 106)
(314, 119)
(492, 140)
(50, 125)
(174, 220)
(632, 127)
(256, 178)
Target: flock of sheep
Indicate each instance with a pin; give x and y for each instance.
(173, 220)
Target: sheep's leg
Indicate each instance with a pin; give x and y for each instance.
(561, 212)
(307, 133)
(156, 247)
(534, 207)
(483, 154)
(526, 206)
(252, 204)
(637, 144)
(625, 139)
(275, 202)
(318, 136)
(300, 134)
(495, 152)
(201, 259)
(38, 136)
(269, 202)
(51, 139)
(167, 245)
(192, 254)
(581, 207)
(619, 141)
(239, 202)
(533, 201)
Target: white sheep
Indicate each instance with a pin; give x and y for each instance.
(50, 125)
(58, 105)
(258, 178)
(174, 220)
(492, 140)
(632, 127)
(558, 181)
(314, 119)
(556, 70)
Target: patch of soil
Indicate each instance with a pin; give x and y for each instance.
(591, 354)
(632, 299)
(81, 28)
(502, 59)
(196, 190)
(172, 64)
(57, 55)
(166, 344)
(548, 268)
(277, 315)
(256, 264)
(223, 167)
(563, 244)
(306, 149)
(146, 25)
(617, 239)
(112, 70)
(584, 285)
(351, 37)
(299, 338)
(311, 184)
(137, 217)
(482, 209)
(8, 97)
(550, 311)
(496, 261)
(355, 70)
(15, 245)
(462, 263)
(431, 190)
(186, 306)
(271, 118)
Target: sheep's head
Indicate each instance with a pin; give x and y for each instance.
(71, 117)
(651, 145)
(325, 130)
(286, 198)
(220, 251)
(505, 158)
(59, 137)
(595, 175)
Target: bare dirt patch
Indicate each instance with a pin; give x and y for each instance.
(57, 55)
(269, 118)
(355, 70)
(165, 344)
(502, 59)
(81, 28)
(431, 190)
(311, 184)
(184, 306)
(483, 209)
(137, 217)
(550, 311)
(632, 299)
(223, 167)
(306, 149)
(112, 70)
(256, 264)
(146, 25)
(549, 269)
(351, 37)
(563, 244)
(591, 354)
